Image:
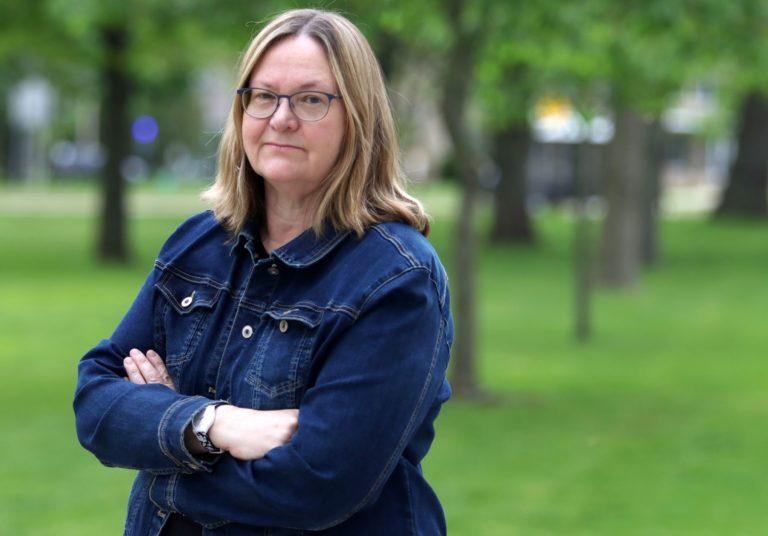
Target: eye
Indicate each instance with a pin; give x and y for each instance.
(312, 99)
(262, 96)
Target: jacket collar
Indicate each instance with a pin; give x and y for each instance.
(304, 250)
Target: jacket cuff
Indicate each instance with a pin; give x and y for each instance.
(170, 434)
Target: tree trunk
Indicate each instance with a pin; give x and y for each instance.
(115, 135)
(747, 190)
(625, 189)
(585, 165)
(5, 134)
(511, 222)
(457, 80)
(650, 248)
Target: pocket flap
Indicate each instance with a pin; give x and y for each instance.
(186, 296)
(309, 316)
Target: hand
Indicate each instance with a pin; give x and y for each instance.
(248, 434)
(149, 368)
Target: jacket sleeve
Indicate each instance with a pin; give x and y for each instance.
(129, 425)
(377, 384)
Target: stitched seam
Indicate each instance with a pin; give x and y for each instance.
(440, 296)
(232, 329)
(159, 332)
(133, 510)
(386, 281)
(170, 491)
(398, 245)
(315, 254)
(349, 311)
(109, 463)
(258, 307)
(410, 501)
(253, 375)
(161, 430)
(412, 421)
(409, 427)
(217, 524)
(179, 308)
(149, 491)
(331, 306)
(192, 278)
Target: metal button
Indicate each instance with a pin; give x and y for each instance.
(247, 332)
(283, 326)
(273, 270)
(161, 513)
(186, 301)
(212, 389)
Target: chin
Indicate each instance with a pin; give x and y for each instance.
(281, 176)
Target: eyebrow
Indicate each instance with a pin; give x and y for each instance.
(313, 84)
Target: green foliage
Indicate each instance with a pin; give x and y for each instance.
(649, 428)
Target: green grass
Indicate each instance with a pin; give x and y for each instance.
(656, 426)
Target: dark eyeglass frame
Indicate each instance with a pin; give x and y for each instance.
(242, 92)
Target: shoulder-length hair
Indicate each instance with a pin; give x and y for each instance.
(366, 185)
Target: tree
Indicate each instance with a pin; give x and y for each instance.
(629, 42)
(740, 65)
(113, 47)
(747, 191)
(625, 192)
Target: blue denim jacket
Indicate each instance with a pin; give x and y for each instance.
(355, 332)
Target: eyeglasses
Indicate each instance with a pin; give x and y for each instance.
(307, 105)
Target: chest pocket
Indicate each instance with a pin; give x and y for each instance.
(280, 363)
(185, 313)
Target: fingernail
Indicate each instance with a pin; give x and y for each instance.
(134, 352)
(151, 352)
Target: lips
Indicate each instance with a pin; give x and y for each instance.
(281, 146)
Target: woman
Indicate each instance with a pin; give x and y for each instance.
(308, 287)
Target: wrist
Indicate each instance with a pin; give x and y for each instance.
(190, 441)
(218, 431)
(202, 422)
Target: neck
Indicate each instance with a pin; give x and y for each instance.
(286, 218)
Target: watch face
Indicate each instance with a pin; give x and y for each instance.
(197, 419)
(204, 419)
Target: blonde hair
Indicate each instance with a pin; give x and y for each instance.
(366, 185)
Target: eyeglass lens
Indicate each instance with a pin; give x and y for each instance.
(307, 105)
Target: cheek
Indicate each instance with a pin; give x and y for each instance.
(251, 131)
(330, 140)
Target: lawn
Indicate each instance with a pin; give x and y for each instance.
(655, 426)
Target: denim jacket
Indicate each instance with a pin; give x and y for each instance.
(354, 332)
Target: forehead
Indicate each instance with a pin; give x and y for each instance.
(296, 62)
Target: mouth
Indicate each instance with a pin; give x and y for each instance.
(282, 147)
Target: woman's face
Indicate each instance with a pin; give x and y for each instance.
(294, 156)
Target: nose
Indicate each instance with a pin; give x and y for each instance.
(284, 118)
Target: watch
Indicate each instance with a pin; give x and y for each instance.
(201, 425)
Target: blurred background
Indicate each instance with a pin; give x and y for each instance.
(597, 176)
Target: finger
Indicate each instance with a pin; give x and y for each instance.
(157, 361)
(146, 368)
(133, 371)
